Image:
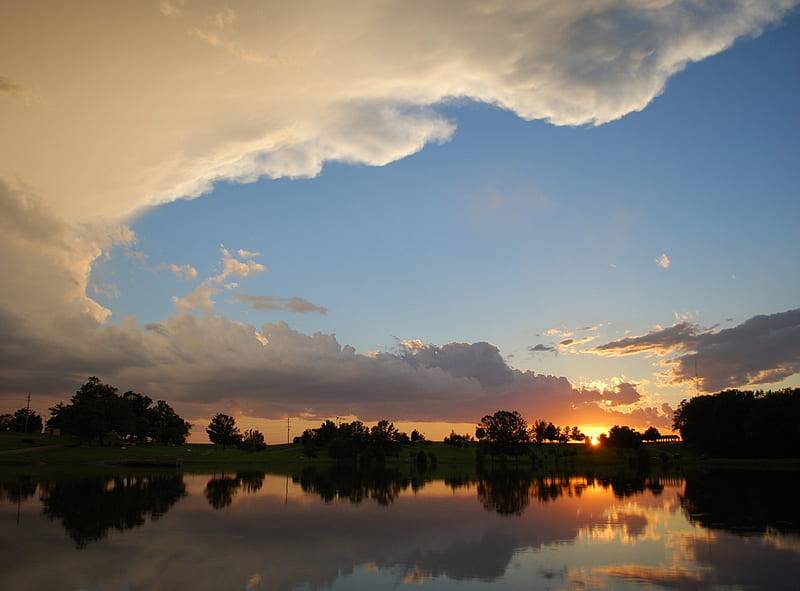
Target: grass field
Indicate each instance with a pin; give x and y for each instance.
(64, 454)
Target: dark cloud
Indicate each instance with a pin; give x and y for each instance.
(764, 349)
(541, 348)
(618, 395)
(479, 361)
(295, 304)
(9, 87)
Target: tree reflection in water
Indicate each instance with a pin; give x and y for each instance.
(510, 493)
(346, 482)
(17, 489)
(743, 502)
(88, 507)
(503, 492)
(220, 490)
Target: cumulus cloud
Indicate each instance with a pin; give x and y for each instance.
(202, 297)
(233, 267)
(246, 254)
(46, 262)
(308, 83)
(764, 349)
(623, 393)
(663, 261)
(181, 271)
(295, 304)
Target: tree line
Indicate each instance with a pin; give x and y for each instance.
(356, 441)
(742, 423)
(97, 413)
(507, 433)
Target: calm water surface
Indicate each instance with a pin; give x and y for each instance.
(331, 530)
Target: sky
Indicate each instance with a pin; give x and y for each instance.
(416, 211)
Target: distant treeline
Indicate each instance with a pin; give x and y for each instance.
(742, 423)
(357, 441)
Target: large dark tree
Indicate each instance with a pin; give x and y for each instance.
(385, 439)
(624, 437)
(739, 423)
(652, 434)
(504, 433)
(96, 410)
(166, 426)
(135, 419)
(223, 431)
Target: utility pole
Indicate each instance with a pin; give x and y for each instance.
(287, 429)
(27, 411)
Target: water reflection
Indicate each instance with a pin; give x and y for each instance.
(17, 489)
(335, 529)
(88, 507)
(744, 502)
(345, 482)
(220, 490)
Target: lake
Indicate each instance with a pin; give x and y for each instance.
(336, 529)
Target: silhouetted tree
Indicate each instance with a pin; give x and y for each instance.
(624, 437)
(652, 434)
(539, 431)
(135, 419)
(166, 426)
(742, 423)
(93, 412)
(417, 437)
(551, 432)
(504, 432)
(385, 439)
(576, 435)
(253, 440)
(223, 431)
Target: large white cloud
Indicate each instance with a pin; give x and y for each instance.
(136, 103)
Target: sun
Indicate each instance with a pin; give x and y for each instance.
(594, 440)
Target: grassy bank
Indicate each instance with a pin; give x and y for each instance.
(63, 454)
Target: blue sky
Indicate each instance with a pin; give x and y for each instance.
(449, 223)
